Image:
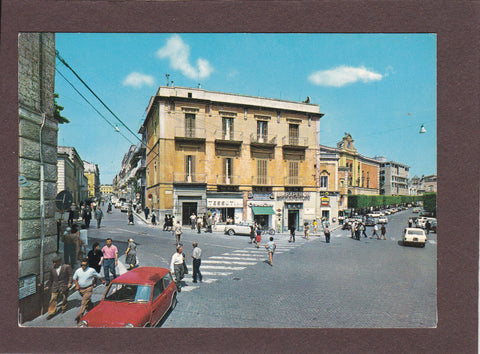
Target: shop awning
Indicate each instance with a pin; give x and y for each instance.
(264, 210)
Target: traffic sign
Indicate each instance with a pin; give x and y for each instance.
(64, 200)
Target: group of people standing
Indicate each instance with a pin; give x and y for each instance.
(85, 278)
(178, 266)
(358, 229)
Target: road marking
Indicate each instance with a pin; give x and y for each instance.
(215, 273)
(189, 288)
(227, 262)
(222, 267)
(121, 268)
(234, 258)
(432, 242)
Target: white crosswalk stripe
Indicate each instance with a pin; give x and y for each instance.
(235, 260)
(433, 242)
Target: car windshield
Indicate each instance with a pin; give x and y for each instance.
(128, 293)
(415, 232)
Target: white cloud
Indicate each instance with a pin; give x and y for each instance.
(343, 75)
(138, 80)
(179, 52)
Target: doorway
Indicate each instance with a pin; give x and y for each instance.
(187, 209)
(293, 219)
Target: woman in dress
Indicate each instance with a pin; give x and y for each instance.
(131, 254)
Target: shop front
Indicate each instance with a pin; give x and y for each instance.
(225, 207)
(261, 209)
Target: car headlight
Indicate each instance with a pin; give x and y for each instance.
(82, 324)
(129, 325)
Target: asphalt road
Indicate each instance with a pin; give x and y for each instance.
(344, 284)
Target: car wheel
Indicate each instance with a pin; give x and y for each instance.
(231, 232)
(174, 302)
(404, 242)
(422, 245)
(271, 232)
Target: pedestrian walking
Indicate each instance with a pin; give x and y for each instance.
(361, 228)
(84, 279)
(197, 261)
(199, 224)
(71, 216)
(98, 215)
(165, 223)
(131, 254)
(83, 242)
(209, 224)
(94, 257)
(383, 232)
(176, 267)
(292, 233)
(326, 232)
(258, 237)
(271, 246)
(375, 232)
(193, 219)
(109, 208)
(154, 219)
(147, 212)
(170, 223)
(307, 231)
(87, 216)
(178, 233)
(59, 282)
(109, 260)
(130, 218)
(428, 227)
(71, 245)
(252, 233)
(410, 222)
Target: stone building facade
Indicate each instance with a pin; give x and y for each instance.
(239, 157)
(37, 232)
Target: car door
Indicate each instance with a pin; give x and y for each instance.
(169, 290)
(157, 302)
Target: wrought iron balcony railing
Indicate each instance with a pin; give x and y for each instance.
(294, 141)
(294, 181)
(228, 180)
(262, 180)
(192, 133)
(263, 139)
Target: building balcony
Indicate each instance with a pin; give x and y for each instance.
(294, 142)
(228, 137)
(294, 181)
(193, 135)
(228, 180)
(262, 181)
(263, 140)
(189, 178)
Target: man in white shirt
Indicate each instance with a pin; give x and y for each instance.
(176, 266)
(196, 255)
(84, 278)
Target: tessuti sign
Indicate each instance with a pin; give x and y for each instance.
(224, 203)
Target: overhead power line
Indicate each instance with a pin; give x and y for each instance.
(91, 105)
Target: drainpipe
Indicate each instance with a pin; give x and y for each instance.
(42, 207)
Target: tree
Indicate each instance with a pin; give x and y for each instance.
(430, 202)
(60, 119)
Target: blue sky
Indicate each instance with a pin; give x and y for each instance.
(379, 88)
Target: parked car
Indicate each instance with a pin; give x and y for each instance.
(383, 220)
(421, 221)
(416, 210)
(414, 236)
(124, 207)
(242, 228)
(433, 225)
(371, 221)
(138, 298)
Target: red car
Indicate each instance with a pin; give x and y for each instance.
(138, 298)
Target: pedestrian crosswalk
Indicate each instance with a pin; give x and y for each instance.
(215, 267)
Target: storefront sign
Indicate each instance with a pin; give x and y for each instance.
(261, 196)
(259, 204)
(224, 203)
(27, 286)
(293, 196)
(325, 201)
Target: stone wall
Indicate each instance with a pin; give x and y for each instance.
(36, 79)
